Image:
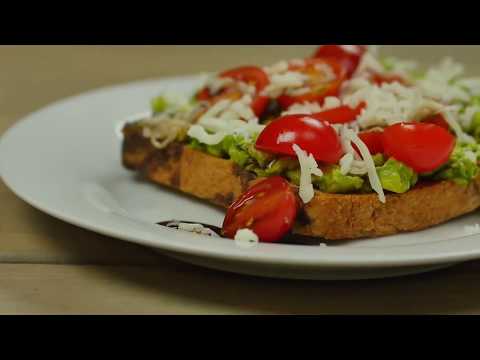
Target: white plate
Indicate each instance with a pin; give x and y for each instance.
(65, 161)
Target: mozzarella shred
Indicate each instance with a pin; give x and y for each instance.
(224, 118)
(216, 109)
(346, 163)
(389, 104)
(199, 133)
(308, 167)
(369, 164)
(276, 68)
(281, 82)
(246, 238)
(449, 117)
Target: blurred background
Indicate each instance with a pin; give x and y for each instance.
(33, 76)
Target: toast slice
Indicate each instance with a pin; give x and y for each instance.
(327, 216)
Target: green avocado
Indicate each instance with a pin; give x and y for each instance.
(396, 176)
(475, 126)
(158, 104)
(333, 181)
(461, 168)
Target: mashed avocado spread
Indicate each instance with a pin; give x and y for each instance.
(394, 176)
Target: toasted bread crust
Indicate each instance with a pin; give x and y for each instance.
(329, 216)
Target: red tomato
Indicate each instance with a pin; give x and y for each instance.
(259, 104)
(348, 56)
(340, 115)
(203, 95)
(314, 136)
(438, 120)
(423, 147)
(320, 89)
(249, 74)
(373, 140)
(380, 79)
(269, 209)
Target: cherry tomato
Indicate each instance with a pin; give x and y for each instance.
(269, 209)
(248, 74)
(314, 136)
(204, 95)
(373, 140)
(259, 104)
(423, 147)
(438, 120)
(320, 86)
(348, 56)
(380, 79)
(340, 115)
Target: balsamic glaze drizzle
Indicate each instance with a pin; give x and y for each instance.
(292, 239)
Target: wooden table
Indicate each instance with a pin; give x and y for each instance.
(48, 266)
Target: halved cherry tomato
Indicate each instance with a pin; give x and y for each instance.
(380, 79)
(314, 136)
(269, 209)
(373, 140)
(259, 104)
(320, 88)
(438, 120)
(424, 147)
(341, 115)
(348, 56)
(204, 95)
(249, 74)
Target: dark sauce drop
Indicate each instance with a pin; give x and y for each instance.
(290, 238)
(169, 225)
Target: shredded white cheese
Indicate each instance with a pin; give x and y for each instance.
(276, 68)
(198, 132)
(444, 83)
(224, 118)
(389, 104)
(328, 74)
(308, 167)
(216, 109)
(368, 64)
(345, 140)
(215, 83)
(346, 163)
(470, 155)
(401, 67)
(308, 108)
(281, 82)
(471, 84)
(449, 114)
(370, 165)
(246, 238)
(331, 102)
(305, 108)
(466, 118)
